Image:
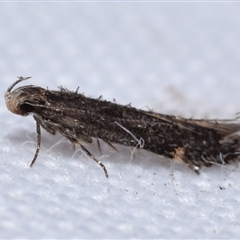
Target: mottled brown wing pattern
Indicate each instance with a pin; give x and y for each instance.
(194, 143)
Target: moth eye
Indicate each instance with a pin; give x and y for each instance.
(26, 108)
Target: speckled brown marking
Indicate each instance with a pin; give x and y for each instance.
(179, 155)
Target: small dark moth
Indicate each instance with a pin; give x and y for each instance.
(194, 143)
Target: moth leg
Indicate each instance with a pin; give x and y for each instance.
(74, 146)
(95, 159)
(194, 167)
(38, 143)
(99, 146)
(112, 146)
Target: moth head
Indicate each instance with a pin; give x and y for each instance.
(22, 100)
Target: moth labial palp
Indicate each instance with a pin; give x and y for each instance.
(81, 119)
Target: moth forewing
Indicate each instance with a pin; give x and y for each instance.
(192, 142)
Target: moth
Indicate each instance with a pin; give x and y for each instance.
(80, 119)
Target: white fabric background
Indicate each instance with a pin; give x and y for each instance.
(175, 58)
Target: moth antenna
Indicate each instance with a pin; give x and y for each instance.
(20, 79)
